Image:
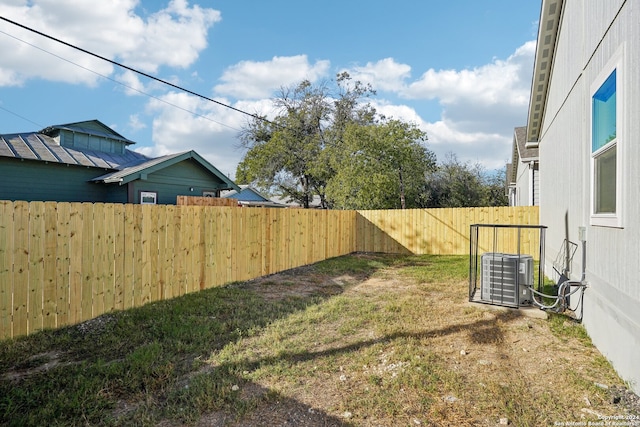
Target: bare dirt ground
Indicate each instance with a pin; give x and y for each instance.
(479, 343)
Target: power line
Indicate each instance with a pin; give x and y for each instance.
(114, 81)
(18, 115)
(149, 76)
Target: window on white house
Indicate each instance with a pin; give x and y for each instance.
(604, 153)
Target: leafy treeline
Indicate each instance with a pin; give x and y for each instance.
(327, 141)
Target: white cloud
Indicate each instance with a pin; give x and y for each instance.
(173, 36)
(132, 83)
(492, 150)
(135, 124)
(505, 82)
(398, 112)
(255, 80)
(385, 74)
(212, 131)
(479, 106)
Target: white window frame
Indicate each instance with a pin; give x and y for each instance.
(609, 219)
(145, 194)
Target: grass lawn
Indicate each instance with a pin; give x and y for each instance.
(360, 340)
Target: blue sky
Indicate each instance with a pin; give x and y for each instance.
(460, 70)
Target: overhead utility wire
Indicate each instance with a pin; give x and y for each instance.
(255, 116)
(114, 81)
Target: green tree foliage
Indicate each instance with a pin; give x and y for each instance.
(380, 166)
(290, 153)
(457, 184)
(327, 141)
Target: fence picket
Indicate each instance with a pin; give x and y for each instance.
(118, 256)
(21, 269)
(6, 268)
(50, 285)
(97, 280)
(87, 266)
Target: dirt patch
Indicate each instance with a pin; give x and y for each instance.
(37, 363)
(301, 282)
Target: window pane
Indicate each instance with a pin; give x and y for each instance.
(604, 114)
(605, 182)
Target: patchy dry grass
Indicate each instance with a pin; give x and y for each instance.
(361, 340)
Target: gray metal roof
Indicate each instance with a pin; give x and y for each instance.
(37, 146)
(136, 168)
(135, 171)
(90, 127)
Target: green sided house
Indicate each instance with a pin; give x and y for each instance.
(90, 162)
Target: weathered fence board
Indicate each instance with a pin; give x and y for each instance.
(63, 263)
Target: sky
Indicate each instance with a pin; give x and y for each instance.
(460, 70)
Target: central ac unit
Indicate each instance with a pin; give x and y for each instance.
(506, 279)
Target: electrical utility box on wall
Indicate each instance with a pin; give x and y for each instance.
(506, 279)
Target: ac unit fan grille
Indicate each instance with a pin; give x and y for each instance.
(505, 279)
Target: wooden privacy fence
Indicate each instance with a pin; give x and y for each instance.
(64, 263)
(444, 231)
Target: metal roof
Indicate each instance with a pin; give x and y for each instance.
(38, 146)
(120, 175)
(135, 171)
(122, 167)
(90, 127)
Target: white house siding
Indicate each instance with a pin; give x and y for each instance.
(535, 173)
(591, 33)
(523, 185)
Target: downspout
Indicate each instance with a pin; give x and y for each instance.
(532, 184)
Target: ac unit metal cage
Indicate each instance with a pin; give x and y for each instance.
(504, 263)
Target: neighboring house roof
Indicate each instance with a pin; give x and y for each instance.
(93, 127)
(245, 193)
(521, 152)
(248, 196)
(510, 175)
(138, 171)
(40, 146)
(121, 165)
(550, 14)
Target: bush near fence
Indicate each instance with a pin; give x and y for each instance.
(64, 263)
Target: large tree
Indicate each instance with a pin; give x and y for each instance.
(289, 154)
(458, 184)
(380, 165)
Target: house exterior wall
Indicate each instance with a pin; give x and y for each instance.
(535, 177)
(527, 184)
(173, 181)
(523, 183)
(31, 180)
(591, 34)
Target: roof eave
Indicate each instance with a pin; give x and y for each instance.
(162, 163)
(550, 17)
